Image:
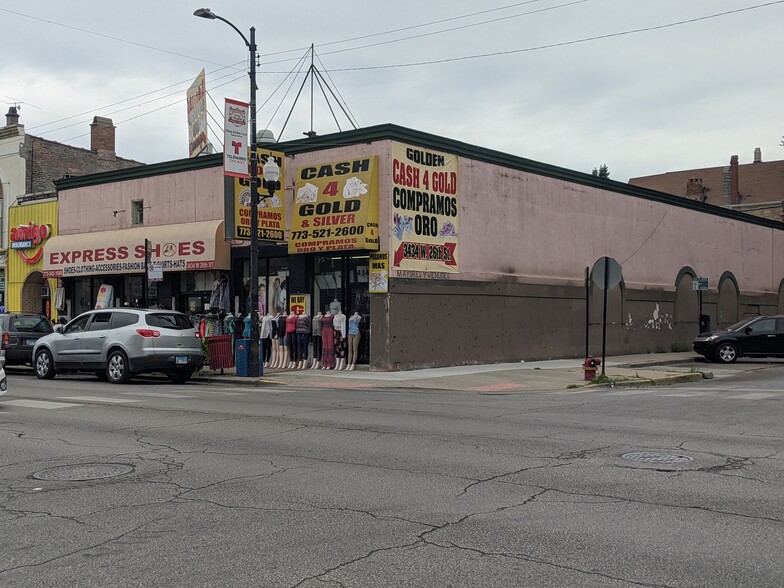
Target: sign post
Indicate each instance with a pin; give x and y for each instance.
(607, 275)
(701, 284)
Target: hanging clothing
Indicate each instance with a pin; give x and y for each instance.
(327, 341)
(220, 299)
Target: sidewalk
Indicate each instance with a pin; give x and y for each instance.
(500, 378)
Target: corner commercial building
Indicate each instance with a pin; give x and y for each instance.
(454, 254)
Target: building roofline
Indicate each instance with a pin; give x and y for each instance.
(394, 132)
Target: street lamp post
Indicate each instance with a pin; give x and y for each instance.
(253, 368)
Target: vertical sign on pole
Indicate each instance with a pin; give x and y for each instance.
(607, 275)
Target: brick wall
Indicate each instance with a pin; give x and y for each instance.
(48, 161)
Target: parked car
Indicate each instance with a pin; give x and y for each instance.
(760, 336)
(19, 333)
(3, 380)
(117, 343)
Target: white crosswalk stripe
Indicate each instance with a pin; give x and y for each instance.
(98, 399)
(38, 404)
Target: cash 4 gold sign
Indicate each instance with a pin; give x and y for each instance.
(30, 236)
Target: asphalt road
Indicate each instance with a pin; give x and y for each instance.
(314, 488)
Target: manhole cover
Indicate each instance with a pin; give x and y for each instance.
(646, 457)
(84, 471)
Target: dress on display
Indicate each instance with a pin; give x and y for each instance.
(327, 341)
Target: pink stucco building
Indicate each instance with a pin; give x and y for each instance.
(451, 253)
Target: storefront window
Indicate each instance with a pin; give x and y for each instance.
(329, 282)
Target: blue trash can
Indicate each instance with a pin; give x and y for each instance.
(242, 357)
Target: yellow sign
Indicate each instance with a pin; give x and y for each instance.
(379, 273)
(272, 211)
(336, 207)
(299, 304)
(425, 210)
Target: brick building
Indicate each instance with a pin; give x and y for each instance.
(29, 165)
(755, 188)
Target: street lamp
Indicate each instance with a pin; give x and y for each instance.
(253, 368)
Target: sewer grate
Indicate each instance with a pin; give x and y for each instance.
(84, 471)
(646, 457)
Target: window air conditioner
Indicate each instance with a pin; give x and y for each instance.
(44, 291)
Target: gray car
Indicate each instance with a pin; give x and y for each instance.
(117, 343)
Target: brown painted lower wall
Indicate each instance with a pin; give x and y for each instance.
(422, 324)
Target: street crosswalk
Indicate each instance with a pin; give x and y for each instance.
(127, 398)
(712, 393)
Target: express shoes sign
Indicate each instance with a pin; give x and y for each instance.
(30, 236)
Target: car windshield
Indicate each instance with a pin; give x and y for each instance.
(741, 324)
(169, 320)
(31, 324)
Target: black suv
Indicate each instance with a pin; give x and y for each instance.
(760, 336)
(19, 333)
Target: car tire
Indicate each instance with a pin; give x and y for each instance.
(101, 375)
(180, 376)
(726, 352)
(44, 365)
(117, 368)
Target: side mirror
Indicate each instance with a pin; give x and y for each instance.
(748, 330)
(59, 329)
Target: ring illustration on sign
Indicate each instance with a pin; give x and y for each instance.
(307, 193)
(354, 187)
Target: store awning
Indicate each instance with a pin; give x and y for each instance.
(182, 247)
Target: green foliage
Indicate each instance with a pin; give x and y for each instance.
(602, 172)
(680, 347)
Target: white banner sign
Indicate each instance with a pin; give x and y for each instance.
(235, 139)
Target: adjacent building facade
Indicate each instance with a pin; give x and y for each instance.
(28, 167)
(451, 253)
(755, 188)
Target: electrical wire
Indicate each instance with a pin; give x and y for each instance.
(653, 232)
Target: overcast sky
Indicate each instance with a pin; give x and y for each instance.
(519, 77)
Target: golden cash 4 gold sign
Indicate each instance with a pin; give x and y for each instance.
(425, 210)
(335, 207)
(272, 211)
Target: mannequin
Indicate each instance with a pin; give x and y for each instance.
(339, 323)
(291, 337)
(353, 339)
(282, 354)
(327, 342)
(316, 336)
(273, 339)
(266, 338)
(303, 337)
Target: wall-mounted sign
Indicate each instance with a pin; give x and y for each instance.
(425, 210)
(379, 273)
(299, 304)
(700, 284)
(30, 236)
(335, 207)
(235, 139)
(272, 210)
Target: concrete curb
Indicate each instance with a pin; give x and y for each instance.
(663, 381)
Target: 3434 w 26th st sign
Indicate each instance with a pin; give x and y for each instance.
(336, 207)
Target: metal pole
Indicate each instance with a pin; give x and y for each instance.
(587, 307)
(253, 370)
(604, 316)
(699, 318)
(145, 278)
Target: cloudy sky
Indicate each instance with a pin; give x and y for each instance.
(642, 86)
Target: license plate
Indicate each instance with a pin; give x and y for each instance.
(31, 342)
(181, 360)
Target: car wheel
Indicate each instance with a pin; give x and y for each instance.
(101, 375)
(726, 352)
(44, 366)
(117, 368)
(180, 376)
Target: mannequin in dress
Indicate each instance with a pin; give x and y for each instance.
(273, 338)
(327, 342)
(291, 338)
(303, 337)
(339, 323)
(353, 339)
(316, 336)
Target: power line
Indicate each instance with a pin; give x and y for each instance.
(562, 44)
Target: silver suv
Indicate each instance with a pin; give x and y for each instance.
(117, 343)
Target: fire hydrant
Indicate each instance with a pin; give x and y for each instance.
(590, 365)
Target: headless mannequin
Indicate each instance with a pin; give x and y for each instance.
(266, 338)
(291, 337)
(273, 339)
(283, 352)
(353, 339)
(327, 342)
(316, 336)
(304, 327)
(340, 340)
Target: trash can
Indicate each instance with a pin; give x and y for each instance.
(242, 357)
(219, 351)
(704, 323)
